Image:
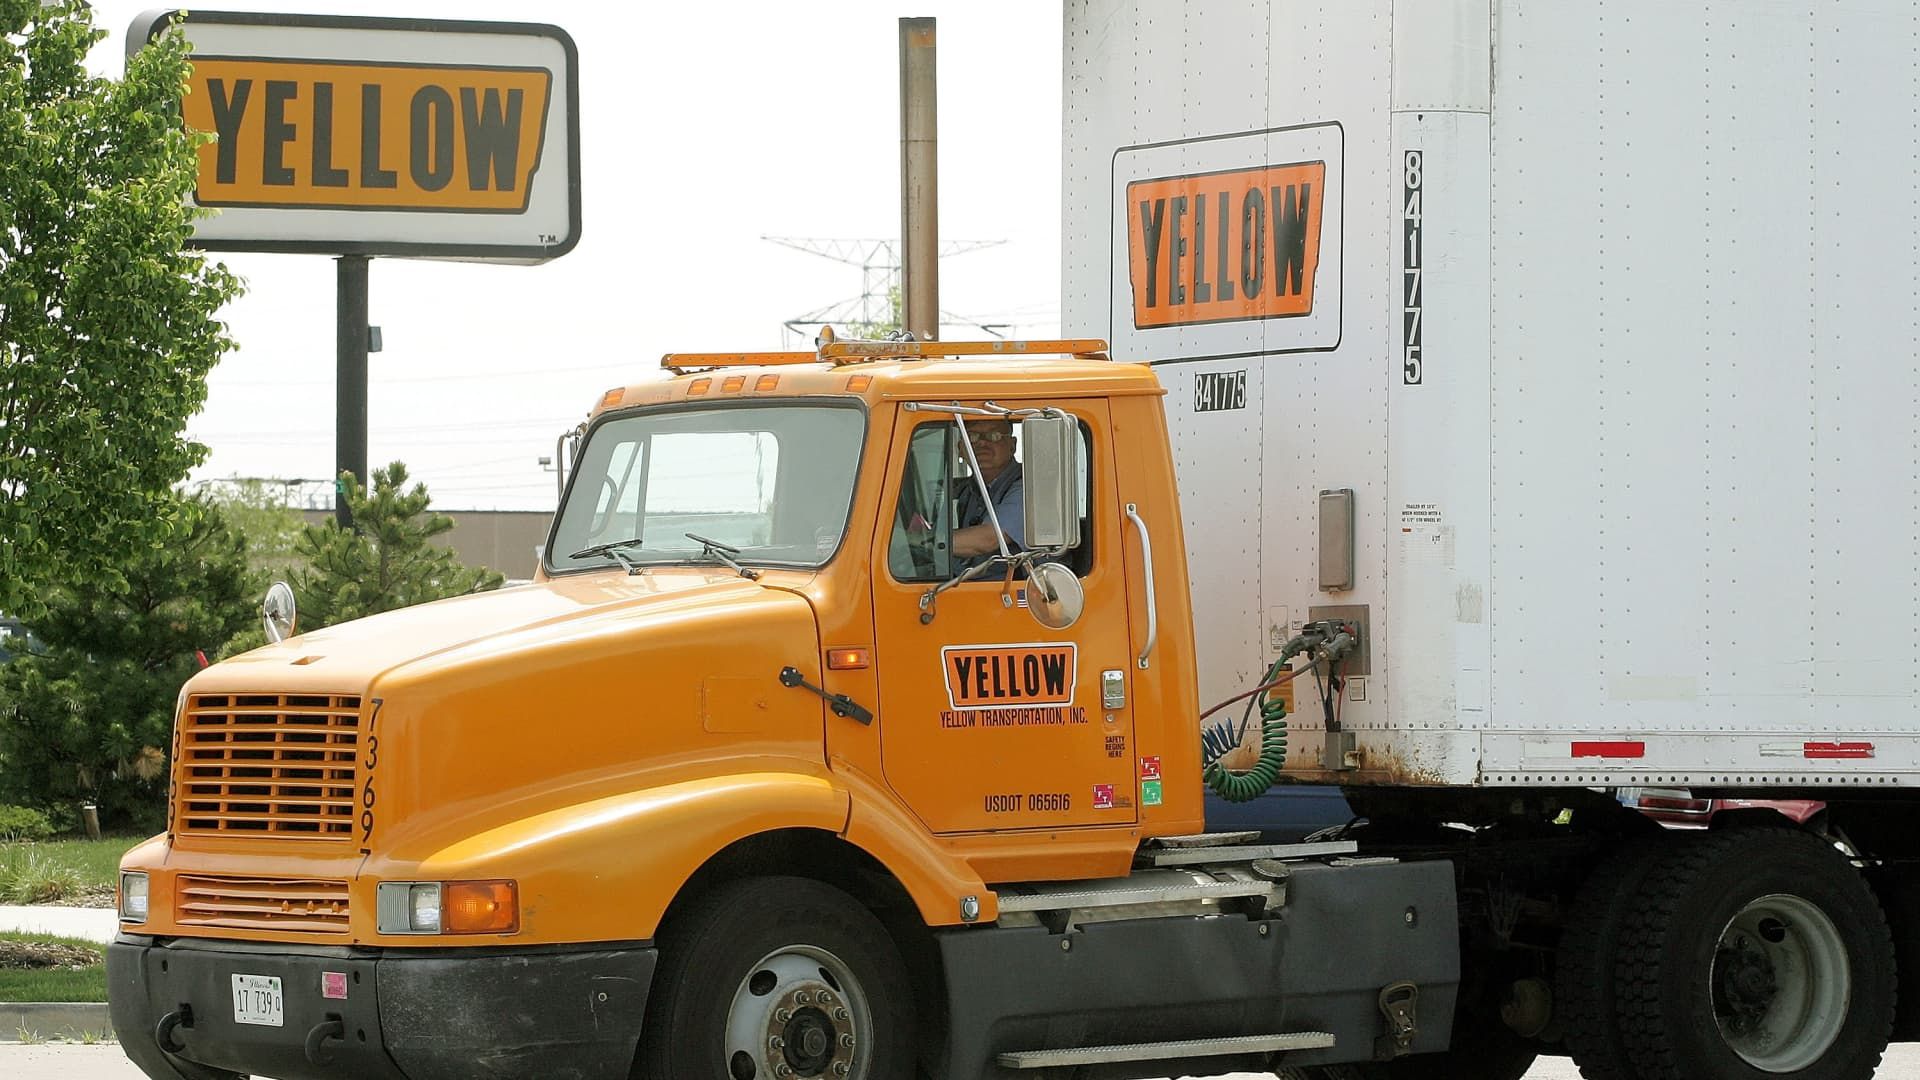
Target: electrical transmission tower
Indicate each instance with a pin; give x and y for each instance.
(877, 304)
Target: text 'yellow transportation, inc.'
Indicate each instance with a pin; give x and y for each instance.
(374, 136)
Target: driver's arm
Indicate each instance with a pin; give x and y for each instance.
(975, 540)
(979, 539)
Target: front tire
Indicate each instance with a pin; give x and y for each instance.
(1755, 954)
(777, 978)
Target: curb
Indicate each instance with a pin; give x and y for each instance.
(24, 1021)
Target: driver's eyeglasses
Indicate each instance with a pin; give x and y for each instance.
(988, 436)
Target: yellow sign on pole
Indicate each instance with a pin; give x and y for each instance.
(382, 136)
(346, 136)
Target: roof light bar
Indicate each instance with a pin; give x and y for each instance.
(838, 353)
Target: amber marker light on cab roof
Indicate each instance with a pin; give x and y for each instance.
(699, 386)
(766, 382)
(613, 397)
(846, 659)
(481, 907)
(733, 384)
(857, 383)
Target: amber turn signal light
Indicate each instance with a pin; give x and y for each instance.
(482, 907)
(846, 659)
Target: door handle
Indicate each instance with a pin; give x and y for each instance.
(1153, 612)
(839, 704)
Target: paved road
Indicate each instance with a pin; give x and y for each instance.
(92, 924)
(105, 1063)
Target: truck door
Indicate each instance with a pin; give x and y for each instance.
(990, 721)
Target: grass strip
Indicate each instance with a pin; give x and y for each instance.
(54, 984)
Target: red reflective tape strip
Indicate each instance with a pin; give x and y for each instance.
(1837, 750)
(1610, 749)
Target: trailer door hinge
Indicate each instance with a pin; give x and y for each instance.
(1397, 1004)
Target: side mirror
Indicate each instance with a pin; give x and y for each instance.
(277, 615)
(1049, 478)
(1054, 596)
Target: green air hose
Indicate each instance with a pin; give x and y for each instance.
(1245, 786)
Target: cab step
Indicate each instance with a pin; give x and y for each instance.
(1205, 839)
(1165, 1051)
(1242, 853)
(1067, 898)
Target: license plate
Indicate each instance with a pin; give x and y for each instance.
(257, 1000)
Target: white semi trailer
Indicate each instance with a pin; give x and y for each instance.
(1568, 348)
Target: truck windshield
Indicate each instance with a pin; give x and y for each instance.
(773, 481)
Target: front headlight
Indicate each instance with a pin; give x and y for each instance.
(409, 907)
(133, 896)
(450, 907)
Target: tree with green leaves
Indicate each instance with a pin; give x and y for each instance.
(107, 321)
(386, 559)
(90, 720)
(258, 511)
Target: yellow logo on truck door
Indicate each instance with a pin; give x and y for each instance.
(1003, 676)
(1225, 246)
(363, 136)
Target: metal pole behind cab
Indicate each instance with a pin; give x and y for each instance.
(919, 182)
(350, 394)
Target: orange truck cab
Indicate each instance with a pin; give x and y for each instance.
(772, 772)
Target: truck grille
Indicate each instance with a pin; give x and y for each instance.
(307, 905)
(269, 765)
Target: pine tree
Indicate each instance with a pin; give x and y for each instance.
(91, 719)
(386, 560)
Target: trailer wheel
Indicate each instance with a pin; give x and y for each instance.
(1583, 992)
(1758, 952)
(777, 977)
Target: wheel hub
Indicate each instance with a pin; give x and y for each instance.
(1780, 983)
(810, 1033)
(1745, 984)
(798, 1014)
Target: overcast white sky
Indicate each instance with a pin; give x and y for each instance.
(703, 128)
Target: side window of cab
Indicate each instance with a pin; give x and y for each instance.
(942, 527)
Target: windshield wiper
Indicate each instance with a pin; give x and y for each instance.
(714, 549)
(612, 547)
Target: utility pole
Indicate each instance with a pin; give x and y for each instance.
(919, 180)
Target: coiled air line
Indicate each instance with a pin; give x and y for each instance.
(1325, 642)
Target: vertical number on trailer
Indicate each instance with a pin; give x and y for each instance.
(1410, 216)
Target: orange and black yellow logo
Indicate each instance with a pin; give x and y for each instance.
(1225, 246)
(367, 136)
(997, 676)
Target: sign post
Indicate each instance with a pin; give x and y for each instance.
(350, 391)
(367, 137)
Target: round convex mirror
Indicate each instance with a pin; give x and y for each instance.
(277, 612)
(1054, 595)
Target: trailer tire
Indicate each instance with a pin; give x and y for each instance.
(1755, 953)
(777, 970)
(1583, 990)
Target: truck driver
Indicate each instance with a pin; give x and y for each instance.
(994, 448)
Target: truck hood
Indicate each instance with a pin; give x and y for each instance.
(348, 656)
